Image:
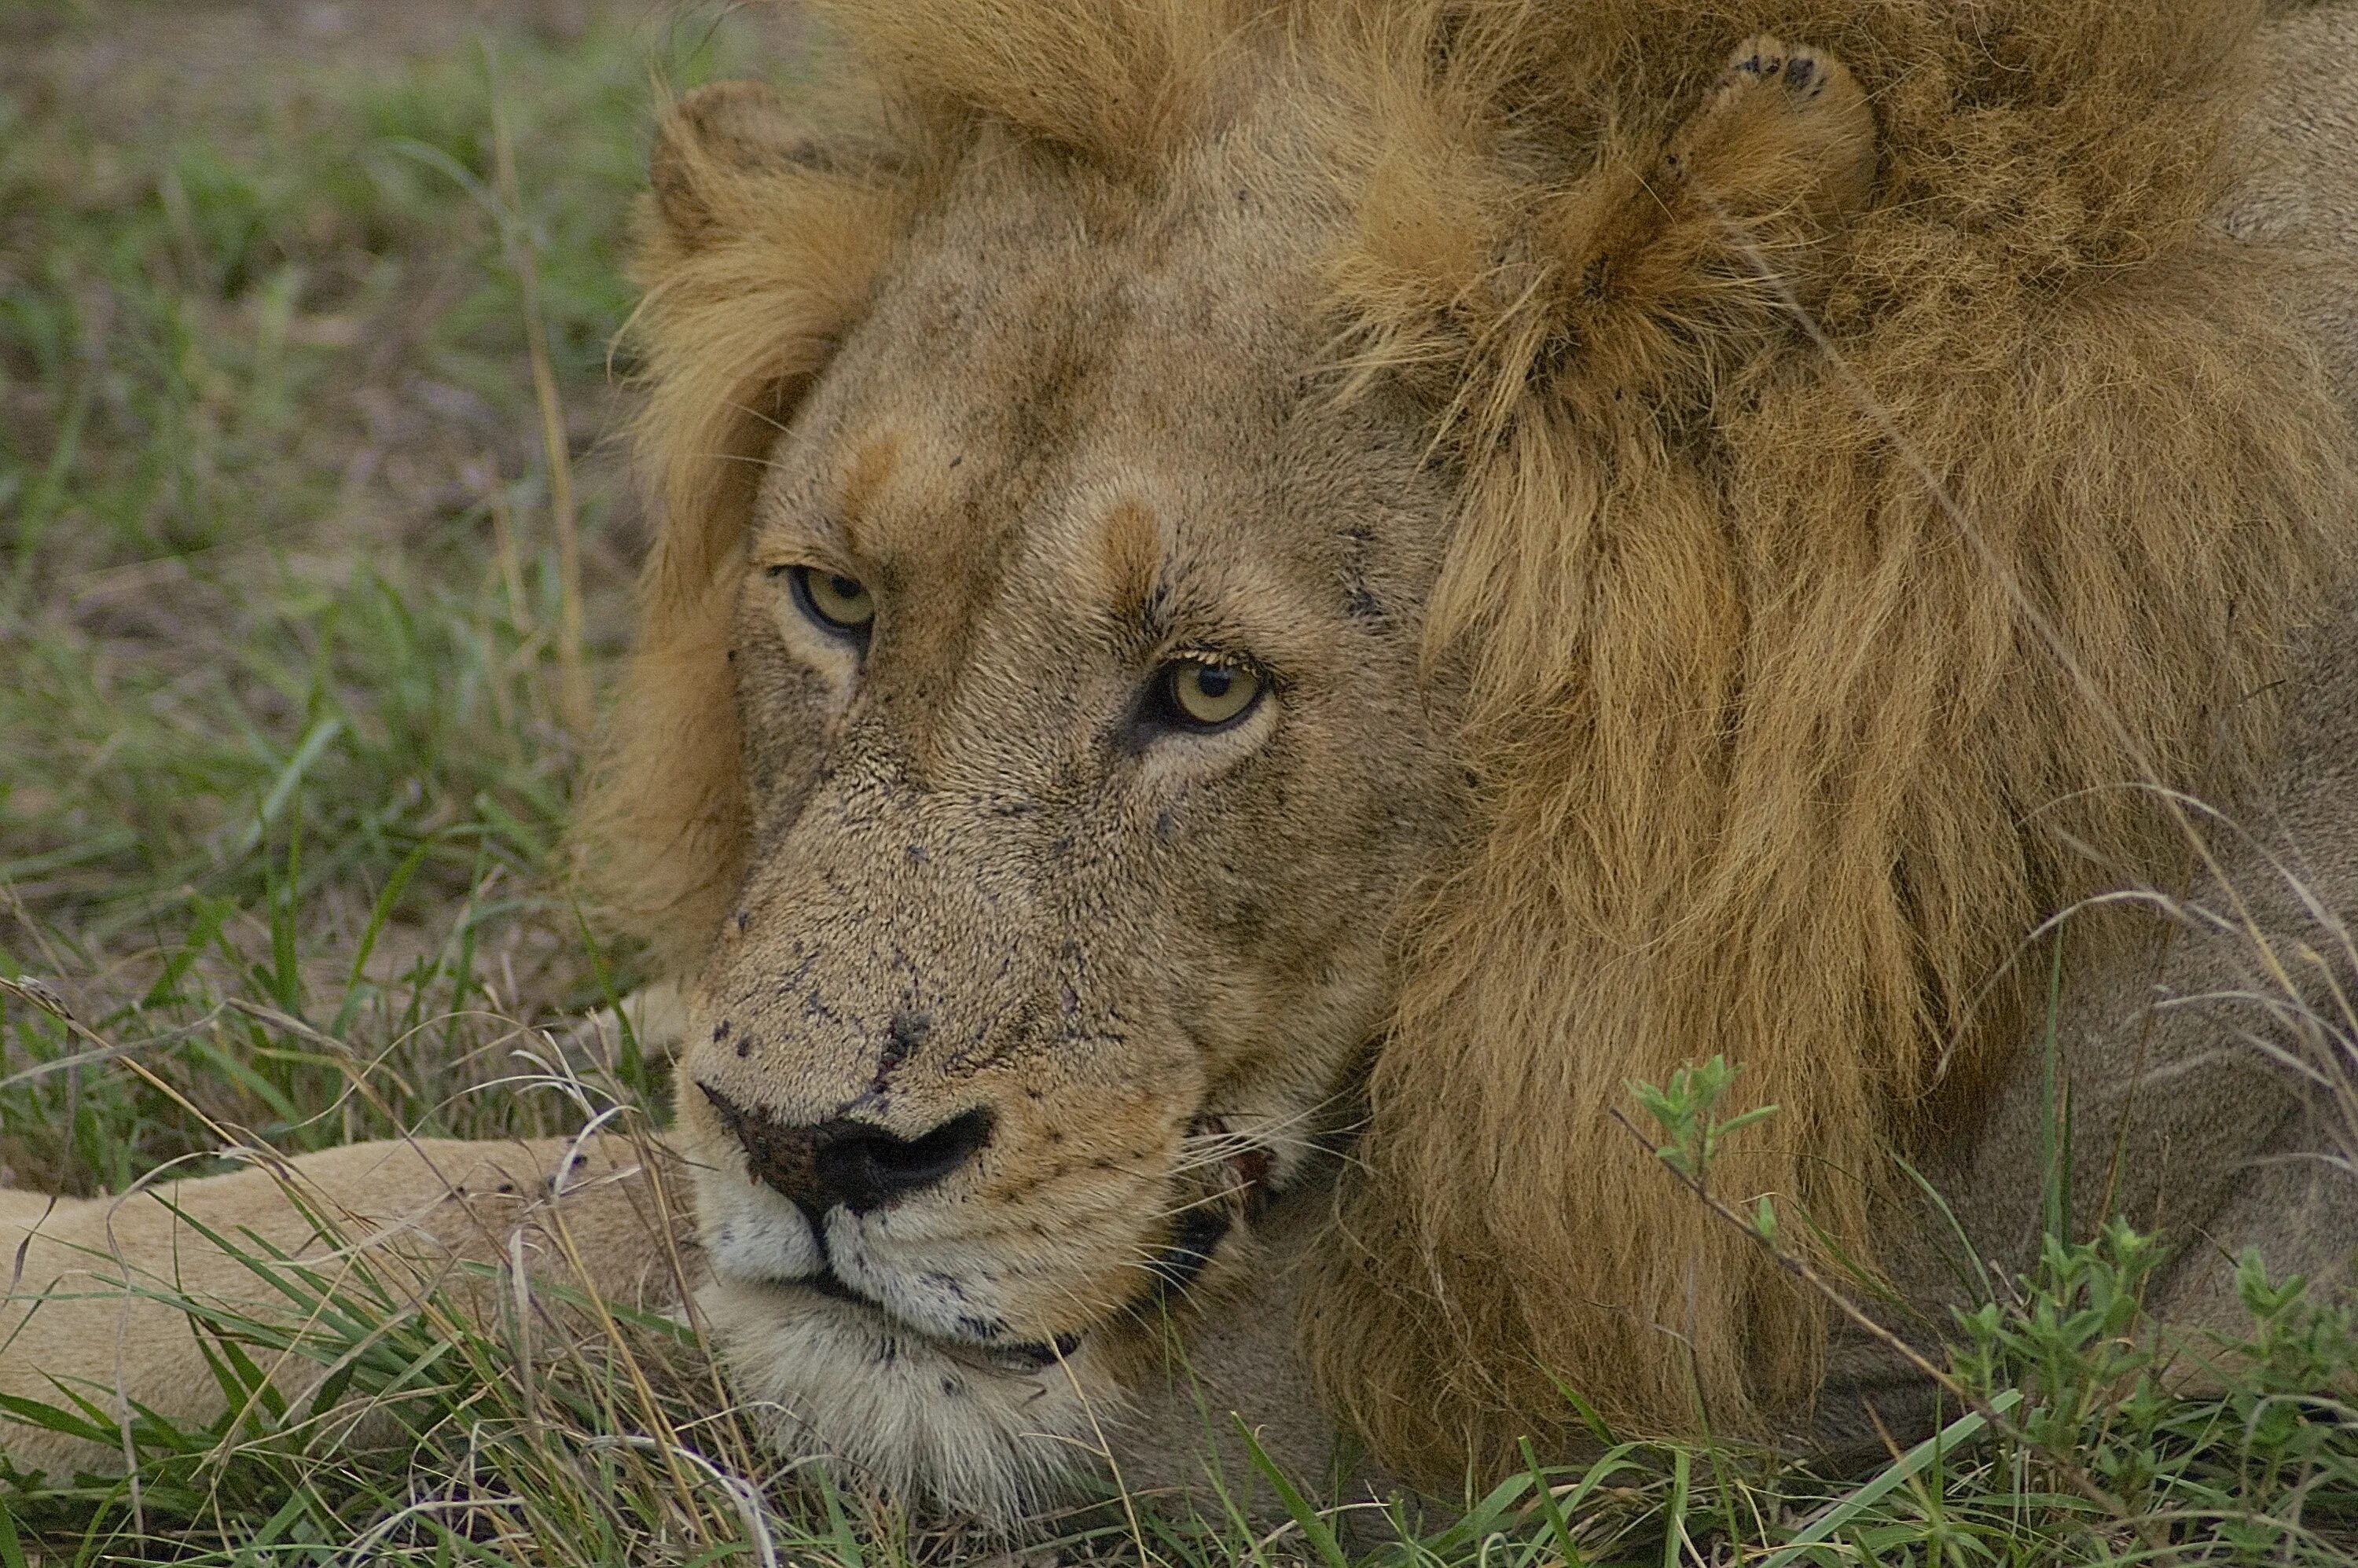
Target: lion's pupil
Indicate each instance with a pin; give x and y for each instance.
(1214, 682)
(844, 586)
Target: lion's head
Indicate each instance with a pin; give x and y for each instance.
(1236, 574)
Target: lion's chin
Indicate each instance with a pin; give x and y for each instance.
(945, 1426)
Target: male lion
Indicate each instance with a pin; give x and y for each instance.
(1260, 603)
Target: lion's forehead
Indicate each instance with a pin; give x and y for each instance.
(1083, 378)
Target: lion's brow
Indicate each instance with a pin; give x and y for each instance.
(864, 478)
(1130, 560)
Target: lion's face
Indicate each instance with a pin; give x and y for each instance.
(1077, 661)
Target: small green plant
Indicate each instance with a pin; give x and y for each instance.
(1683, 1109)
(2106, 1433)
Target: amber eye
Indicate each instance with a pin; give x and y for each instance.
(1197, 694)
(841, 604)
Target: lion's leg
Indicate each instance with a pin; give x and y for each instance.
(2299, 1213)
(94, 1282)
(657, 1016)
(2212, 1072)
(2215, 1092)
(2302, 188)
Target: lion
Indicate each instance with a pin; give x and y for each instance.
(1261, 604)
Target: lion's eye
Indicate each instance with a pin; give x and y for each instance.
(841, 604)
(1199, 695)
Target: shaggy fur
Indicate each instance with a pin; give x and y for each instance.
(1793, 773)
(2055, 481)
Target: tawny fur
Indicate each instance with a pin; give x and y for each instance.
(1730, 599)
(1729, 807)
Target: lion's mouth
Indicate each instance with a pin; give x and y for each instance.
(1182, 1262)
(1011, 1356)
(1245, 1194)
(1171, 1275)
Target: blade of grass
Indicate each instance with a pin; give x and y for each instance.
(1851, 1506)
(315, 740)
(379, 913)
(12, 1551)
(1674, 1512)
(1314, 1526)
(1557, 1527)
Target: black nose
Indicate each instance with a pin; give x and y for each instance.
(842, 1163)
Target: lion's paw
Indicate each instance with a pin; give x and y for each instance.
(1803, 75)
(1781, 115)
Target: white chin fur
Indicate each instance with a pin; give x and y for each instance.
(935, 1425)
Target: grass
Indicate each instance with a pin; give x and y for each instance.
(280, 597)
(290, 619)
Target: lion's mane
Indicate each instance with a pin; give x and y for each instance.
(1835, 593)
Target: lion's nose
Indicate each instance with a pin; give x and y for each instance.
(861, 1166)
(843, 1163)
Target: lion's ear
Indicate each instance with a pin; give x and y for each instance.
(1785, 132)
(727, 144)
(757, 247)
(1629, 289)
(708, 145)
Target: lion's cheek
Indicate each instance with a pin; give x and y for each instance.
(1076, 1253)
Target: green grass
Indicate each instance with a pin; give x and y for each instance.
(287, 759)
(279, 595)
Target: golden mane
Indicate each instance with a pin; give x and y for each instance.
(1827, 590)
